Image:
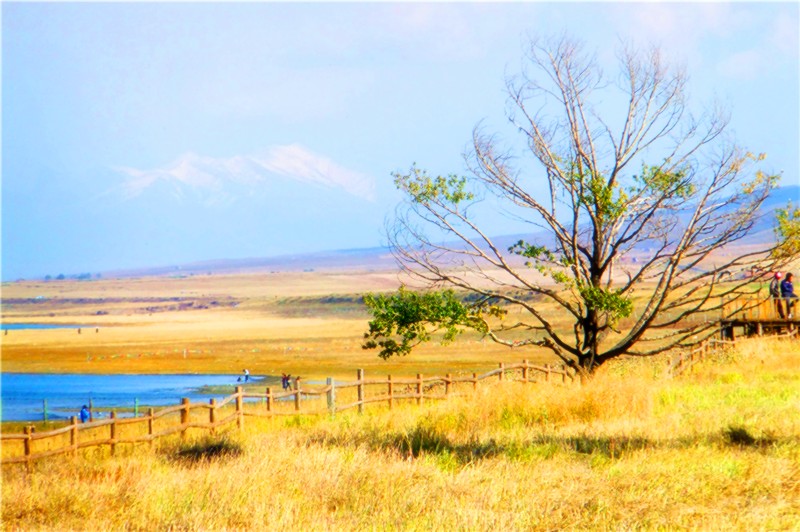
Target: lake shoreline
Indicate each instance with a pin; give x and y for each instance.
(32, 396)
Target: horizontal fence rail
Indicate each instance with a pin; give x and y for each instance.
(179, 419)
(760, 308)
(684, 361)
(759, 316)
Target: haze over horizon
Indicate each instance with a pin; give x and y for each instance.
(139, 135)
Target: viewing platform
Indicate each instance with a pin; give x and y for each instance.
(758, 317)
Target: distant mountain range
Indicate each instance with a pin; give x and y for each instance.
(380, 258)
(377, 258)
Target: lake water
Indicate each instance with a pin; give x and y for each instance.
(23, 393)
(24, 326)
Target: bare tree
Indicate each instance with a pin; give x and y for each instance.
(638, 257)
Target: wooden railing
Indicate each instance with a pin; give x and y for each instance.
(683, 361)
(178, 419)
(756, 309)
(340, 396)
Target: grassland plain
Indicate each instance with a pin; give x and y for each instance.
(716, 450)
(304, 323)
(307, 323)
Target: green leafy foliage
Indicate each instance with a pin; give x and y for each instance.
(406, 318)
(610, 301)
(788, 232)
(675, 184)
(523, 249)
(425, 189)
(604, 199)
(545, 261)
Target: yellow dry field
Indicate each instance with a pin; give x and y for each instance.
(305, 323)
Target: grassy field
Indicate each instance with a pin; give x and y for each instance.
(308, 323)
(715, 450)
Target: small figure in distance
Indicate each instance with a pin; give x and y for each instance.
(787, 293)
(246, 375)
(775, 293)
(84, 414)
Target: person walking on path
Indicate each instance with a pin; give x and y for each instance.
(787, 293)
(84, 414)
(246, 375)
(775, 293)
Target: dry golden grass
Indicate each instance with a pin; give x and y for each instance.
(716, 450)
(308, 324)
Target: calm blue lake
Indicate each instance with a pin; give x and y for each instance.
(23, 393)
(24, 326)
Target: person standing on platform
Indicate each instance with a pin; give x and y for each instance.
(775, 293)
(787, 293)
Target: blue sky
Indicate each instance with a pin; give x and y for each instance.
(149, 134)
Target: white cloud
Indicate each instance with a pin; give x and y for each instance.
(742, 65)
(784, 34)
(292, 161)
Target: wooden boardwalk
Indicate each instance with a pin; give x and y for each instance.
(759, 317)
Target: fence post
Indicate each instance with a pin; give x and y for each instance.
(73, 434)
(360, 377)
(212, 415)
(525, 370)
(136, 407)
(447, 383)
(547, 372)
(331, 395)
(113, 432)
(150, 417)
(91, 411)
(297, 393)
(269, 399)
(474, 382)
(27, 442)
(502, 371)
(239, 408)
(184, 416)
(389, 382)
(44, 409)
(419, 388)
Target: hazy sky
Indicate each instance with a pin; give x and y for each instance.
(149, 134)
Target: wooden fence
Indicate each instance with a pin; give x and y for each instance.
(683, 361)
(340, 396)
(178, 419)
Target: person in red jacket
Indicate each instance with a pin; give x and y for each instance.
(775, 293)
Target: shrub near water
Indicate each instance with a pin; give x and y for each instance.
(624, 451)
